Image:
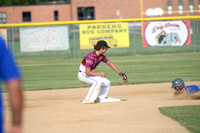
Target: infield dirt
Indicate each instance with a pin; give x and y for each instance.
(60, 111)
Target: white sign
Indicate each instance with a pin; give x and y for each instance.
(33, 39)
(166, 33)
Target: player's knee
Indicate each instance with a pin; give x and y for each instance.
(98, 83)
(107, 83)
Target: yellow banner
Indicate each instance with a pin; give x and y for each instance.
(3, 34)
(115, 34)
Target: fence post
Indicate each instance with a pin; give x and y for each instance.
(74, 41)
(197, 27)
(194, 38)
(134, 39)
(13, 41)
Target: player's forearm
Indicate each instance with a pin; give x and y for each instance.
(90, 73)
(16, 101)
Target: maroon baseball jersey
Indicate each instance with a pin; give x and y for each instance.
(92, 61)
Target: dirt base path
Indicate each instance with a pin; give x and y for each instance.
(60, 111)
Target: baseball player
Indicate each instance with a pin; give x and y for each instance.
(179, 87)
(10, 74)
(98, 81)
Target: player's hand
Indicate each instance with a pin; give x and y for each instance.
(102, 74)
(15, 129)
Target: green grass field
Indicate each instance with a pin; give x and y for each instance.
(54, 73)
(187, 116)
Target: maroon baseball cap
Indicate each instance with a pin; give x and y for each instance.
(102, 43)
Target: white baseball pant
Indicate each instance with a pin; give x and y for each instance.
(97, 83)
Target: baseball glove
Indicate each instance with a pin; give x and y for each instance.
(123, 77)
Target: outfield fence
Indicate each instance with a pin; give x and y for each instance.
(15, 38)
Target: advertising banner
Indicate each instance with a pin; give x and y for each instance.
(34, 39)
(3, 34)
(166, 33)
(115, 34)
